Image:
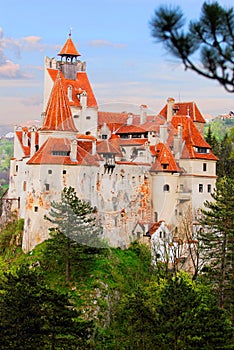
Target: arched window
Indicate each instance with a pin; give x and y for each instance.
(166, 188)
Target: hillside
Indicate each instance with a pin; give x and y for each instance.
(116, 299)
(219, 127)
(6, 152)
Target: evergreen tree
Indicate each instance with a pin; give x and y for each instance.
(32, 316)
(211, 36)
(224, 165)
(189, 319)
(217, 241)
(75, 225)
(172, 314)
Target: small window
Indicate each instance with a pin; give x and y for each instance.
(16, 168)
(164, 166)
(204, 167)
(88, 117)
(104, 137)
(200, 187)
(155, 216)
(24, 185)
(166, 188)
(209, 188)
(64, 172)
(47, 187)
(35, 209)
(50, 171)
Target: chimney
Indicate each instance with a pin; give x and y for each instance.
(130, 119)
(83, 99)
(143, 114)
(33, 142)
(177, 146)
(170, 105)
(73, 153)
(25, 138)
(94, 147)
(163, 133)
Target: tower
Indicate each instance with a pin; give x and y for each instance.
(80, 94)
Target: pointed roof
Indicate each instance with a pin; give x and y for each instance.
(58, 114)
(164, 160)
(191, 137)
(69, 49)
(187, 109)
(78, 86)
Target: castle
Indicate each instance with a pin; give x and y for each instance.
(135, 169)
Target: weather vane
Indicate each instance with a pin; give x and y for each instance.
(70, 32)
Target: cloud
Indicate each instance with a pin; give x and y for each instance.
(101, 43)
(32, 43)
(8, 68)
(11, 70)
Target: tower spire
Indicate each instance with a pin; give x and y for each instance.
(58, 116)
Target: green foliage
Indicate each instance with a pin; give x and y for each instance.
(75, 225)
(11, 236)
(114, 300)
(31, 314)
(217, 241)
(211, 36)
(223, 149)
(171, 314)
(74, 218)
(6, 152)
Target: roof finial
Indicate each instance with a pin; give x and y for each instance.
(70, 32)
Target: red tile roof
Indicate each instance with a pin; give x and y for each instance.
(185, 108)
(78, 86)
(164, 160)
(131, 129)
(192, 138)
(44, 154)
(69, 49)
(58, 114)
(113, 120)
(19, 134)
(106, 146)
(132, 142)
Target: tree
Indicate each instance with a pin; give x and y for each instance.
(225, 163)
(172, 313)
(34, 316)
(189, 318)
(217, 241)
(74, 225)
(212, 37)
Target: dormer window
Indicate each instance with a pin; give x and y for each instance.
(201, 150)
(60, 153)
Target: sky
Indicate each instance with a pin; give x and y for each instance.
(125, 66)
